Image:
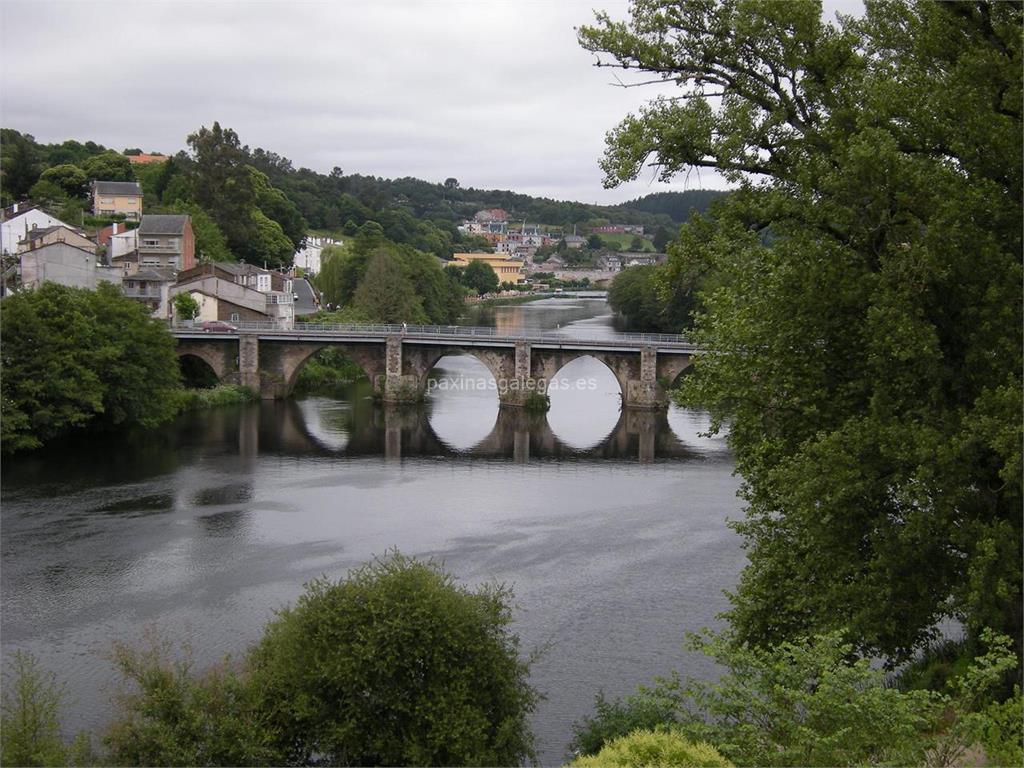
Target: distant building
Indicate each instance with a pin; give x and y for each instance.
(575, 241)
(166, 241)
(309, 257)
(146, 159)
(151, 287)
(239, 293)
(117, 198)
(618, 229)
(491, 215)
(18, 221)
(508, 270)
(58, 233)
(104, 235)
(63, 263)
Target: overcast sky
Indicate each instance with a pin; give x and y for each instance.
(496, 93)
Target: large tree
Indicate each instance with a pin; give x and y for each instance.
(396, 665)
(73, 357)
(385, 294)
(863, 337)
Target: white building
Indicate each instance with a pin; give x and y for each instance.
(308, 258)
(18, 222)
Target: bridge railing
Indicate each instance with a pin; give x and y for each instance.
(453, 332)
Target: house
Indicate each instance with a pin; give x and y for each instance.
(308, 258)
(491, 215)
(104, 235)
(642, 259)
(609, 261)
(574, 241)
(117, 198)
(123, 249)
(166, 241)
(508, 270)
(151, 287)
(18, 220)
(554, 261)
(146, 159)
(58, 233)
(238, 293)
(63, 263)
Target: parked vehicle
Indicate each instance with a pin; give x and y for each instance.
(218, 326)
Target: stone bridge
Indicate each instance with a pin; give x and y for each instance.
(398, 361)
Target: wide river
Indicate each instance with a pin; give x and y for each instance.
(612, 531)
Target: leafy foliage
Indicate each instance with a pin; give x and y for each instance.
(385, 293)
(73, 357)
(656, 749)
(480, 277)
(396, 665)
(613, 719)
(863, 319)
(29, 718)
(173, 717)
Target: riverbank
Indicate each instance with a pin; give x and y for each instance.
(506, 300)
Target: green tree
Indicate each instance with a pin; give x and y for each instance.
(174, 717)
(109, 166)
(863, 334)
(594, 242)
(480, 277)
(268, 244)
(661, 239)
(276, 206)
(70, 178)
(385, 294)
(222, 184)
(19, 163)
(396, 665)
(29, 715)
(185, 307)
(73, 357)
(637, 243)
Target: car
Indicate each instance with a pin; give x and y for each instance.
(218, 326)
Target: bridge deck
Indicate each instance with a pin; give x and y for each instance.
(447, 335)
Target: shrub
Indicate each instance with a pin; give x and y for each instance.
(535, 402)
(396, 665)
(175, 718)
(617, 718)
(29, 718)
(657, 749)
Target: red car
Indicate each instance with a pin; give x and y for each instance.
(218, 325)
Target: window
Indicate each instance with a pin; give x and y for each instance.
(235, 317)
(151, 243)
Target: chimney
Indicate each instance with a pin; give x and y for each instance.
(15, 208)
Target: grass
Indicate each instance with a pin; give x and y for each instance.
(215, 397)
(623, 239)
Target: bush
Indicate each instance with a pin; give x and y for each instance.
(536, 402)
(174, 718)
(396, 665)
(327, 369)
(617, 718)
(657, 749)
(29, 722)
(215, 397)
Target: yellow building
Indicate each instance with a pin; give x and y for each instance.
(507, 270)
(110, 198)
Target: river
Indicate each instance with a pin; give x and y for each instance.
(612, 531)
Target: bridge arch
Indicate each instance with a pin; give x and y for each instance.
(288, 360)
(197, 371)
(220, 356)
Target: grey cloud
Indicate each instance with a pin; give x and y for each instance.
(496, 93)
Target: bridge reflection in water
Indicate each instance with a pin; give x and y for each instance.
(319, 426)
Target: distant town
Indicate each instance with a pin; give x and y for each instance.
(153, 257)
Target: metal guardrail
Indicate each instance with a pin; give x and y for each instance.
(453, 333)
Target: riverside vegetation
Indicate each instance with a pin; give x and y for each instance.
(858, 296)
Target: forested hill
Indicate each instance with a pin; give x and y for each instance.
(412, 211)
